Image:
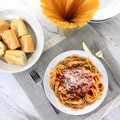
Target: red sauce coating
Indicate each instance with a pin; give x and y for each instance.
(77, 81)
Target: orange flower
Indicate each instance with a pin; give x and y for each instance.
(69, 13)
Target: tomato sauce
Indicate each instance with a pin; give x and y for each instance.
(77, 81)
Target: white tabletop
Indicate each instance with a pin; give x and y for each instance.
(14, 99)
(8, 85)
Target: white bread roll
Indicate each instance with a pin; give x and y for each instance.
(19, 27)
(3, 26)
(17, 57)
(27, 44)
(3, 48)
(22, 30)
(14, 26)
(10, 39)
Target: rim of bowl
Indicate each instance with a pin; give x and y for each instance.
(40, 28)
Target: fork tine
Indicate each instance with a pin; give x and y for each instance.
(37, 79)
(94, 48)
(31, 73)
(98, 46)
(34, 75)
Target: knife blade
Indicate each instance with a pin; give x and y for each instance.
(85, 48)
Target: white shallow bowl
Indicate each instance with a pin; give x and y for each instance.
(54, 100)
(36, 32)
(108, 9)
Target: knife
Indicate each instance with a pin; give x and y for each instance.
(86, 48)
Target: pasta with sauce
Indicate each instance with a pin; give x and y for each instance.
(76, 82)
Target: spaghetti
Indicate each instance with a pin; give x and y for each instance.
(76, 82)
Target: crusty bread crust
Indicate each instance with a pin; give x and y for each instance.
(19, 27)
(17, 57)
(27, 44)
(10, 39)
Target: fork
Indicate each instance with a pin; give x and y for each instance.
(37, 79)
(99, 54)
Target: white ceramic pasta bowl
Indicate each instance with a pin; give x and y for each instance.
(36, 32)
(54, 100)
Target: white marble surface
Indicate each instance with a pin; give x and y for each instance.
(14, 104)
(10, 92)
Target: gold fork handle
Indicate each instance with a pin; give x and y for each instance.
(111, 73)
